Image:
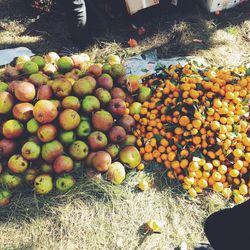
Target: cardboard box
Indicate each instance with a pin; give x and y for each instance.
(134, 6)
(219, 5)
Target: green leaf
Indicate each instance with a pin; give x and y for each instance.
(248, 72)
(144, 70)
(235, 129)
(179, 146)
(159, 103)
(160, 66)
(214, 148)
(199, 154)
(234, 81)
(175, 82)
(157, 82)
(206, 79)
(179, 107)
(168, 110)
(170, 127)
(158, 137)
(194, 69)
(194, 75)
(199, 87)
(195, 63)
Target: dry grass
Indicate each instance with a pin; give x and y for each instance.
(225, 39)
(101, 216)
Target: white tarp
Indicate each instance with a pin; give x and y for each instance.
(8, 55)
(144, 64)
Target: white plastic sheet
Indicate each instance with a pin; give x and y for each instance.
(8, 55)
(144, 64)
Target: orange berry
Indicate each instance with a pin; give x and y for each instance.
(184, 121)
(141, 166)
(148, 148)
(170, 175)
(178, 131)
(158, 159)
(137, 117)
(171, 156)
(139, 142)
(175, 164)
(167, 164)
(164, 157)
(161, 149)
(181, 177)
(156, 153)
(184, 163)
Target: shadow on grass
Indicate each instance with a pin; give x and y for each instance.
(171, 30)
(26, 204)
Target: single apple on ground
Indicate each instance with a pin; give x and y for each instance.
(116, 173)
(65, 183)
(43, 184)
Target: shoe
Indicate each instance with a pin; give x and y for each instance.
(203, 246)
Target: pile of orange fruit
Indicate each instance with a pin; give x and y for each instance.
(196, 124)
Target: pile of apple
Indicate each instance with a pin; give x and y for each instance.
(59, 114)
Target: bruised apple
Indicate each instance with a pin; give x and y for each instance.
(45, 111)
(101, 161)
(116, 173)
(102, 120)
(130, 156)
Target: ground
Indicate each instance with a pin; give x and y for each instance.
(101, 216)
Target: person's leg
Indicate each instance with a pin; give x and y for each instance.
(229, 229)
(76, 14)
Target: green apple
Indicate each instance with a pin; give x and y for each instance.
(113, 150)
(32, 126)
(43, 184)
(5, 196)
(39, 60)
(114, 59)
(47, 168)
(17, 164)
(130, 156)
(30, 68)
(144, 94)
(65, 183)
(3, 86)
(78, 150)
(106, 68)
(90, 104)
(83, 129)
(67, 137)
(130, 140)
(31, 150)
(10, 180)
(135, 108)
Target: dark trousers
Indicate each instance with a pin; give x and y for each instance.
(229, 229)
(82, 17)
